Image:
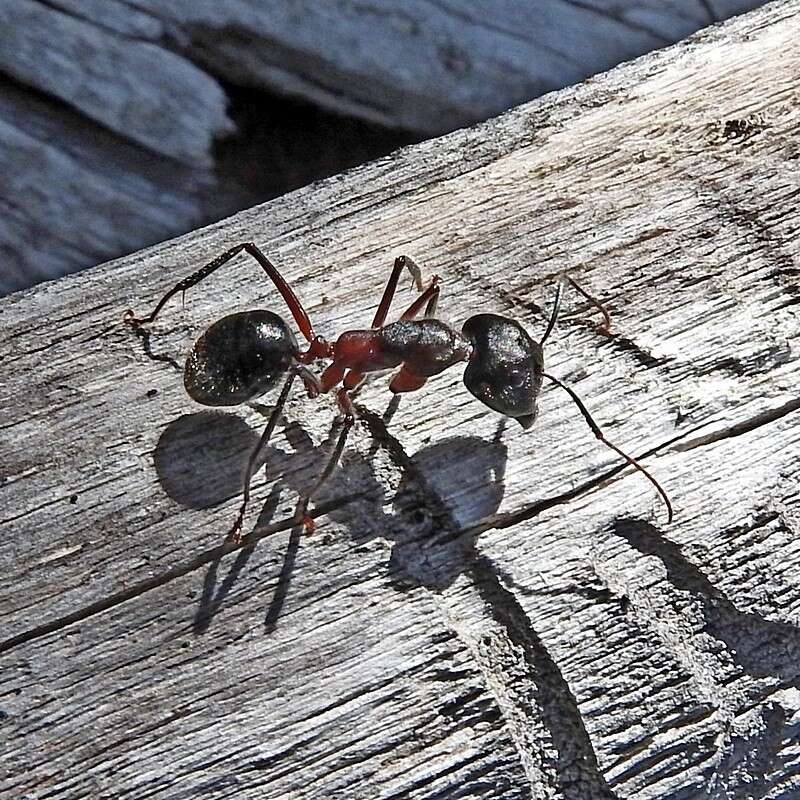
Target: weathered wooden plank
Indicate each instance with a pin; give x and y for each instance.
(480, 614)
(421, 66)
(139, 86)
(70, 196)
(159, 100)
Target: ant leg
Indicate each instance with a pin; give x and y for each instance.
(406, 381)
(331, 375)
(353, 381)
(318, 346)
(235, 533)
(599, 434)
(391, 409)
(391, 287)
(433, 302)
(346, 405)
(310, 380)
(429, 298)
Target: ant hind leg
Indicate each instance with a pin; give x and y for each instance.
(287, 293)
(235, 533)
(346, 405)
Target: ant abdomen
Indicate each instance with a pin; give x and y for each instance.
(239, 358)
(505, 368)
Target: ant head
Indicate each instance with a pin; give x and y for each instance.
(505, 367)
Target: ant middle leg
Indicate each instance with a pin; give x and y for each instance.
(235, 533)
(429, 299)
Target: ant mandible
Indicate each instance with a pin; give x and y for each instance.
(244, 355)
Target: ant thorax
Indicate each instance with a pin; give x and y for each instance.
(424, 346)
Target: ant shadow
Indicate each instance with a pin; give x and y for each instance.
(470, 472)
(145, 336)
(431, 540)
(199, 459)
(433, 543)
(761, 647)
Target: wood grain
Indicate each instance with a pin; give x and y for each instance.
(111, 111)
(482, 613)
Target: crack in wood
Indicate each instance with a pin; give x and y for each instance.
(574, 761)
(449, 531)
(760, 647)
(624, 344)
(540, 691)
(208, 556)
(740, 428)
(507, 520)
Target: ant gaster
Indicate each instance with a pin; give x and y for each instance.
(244, 355)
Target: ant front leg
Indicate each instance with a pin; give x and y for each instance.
(407, 380)
(429, 298)
(347, 408)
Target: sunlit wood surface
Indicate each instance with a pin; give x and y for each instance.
(481, 612)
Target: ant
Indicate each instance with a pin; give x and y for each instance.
(244, 355)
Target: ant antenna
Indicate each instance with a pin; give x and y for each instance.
(554, 314)
(562, 281)
(605, 328)
(599, 434)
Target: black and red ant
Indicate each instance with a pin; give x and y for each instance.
(244, 355)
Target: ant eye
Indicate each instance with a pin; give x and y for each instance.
(418, 516)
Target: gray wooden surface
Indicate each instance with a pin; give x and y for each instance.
(109, 110)
(481, 613)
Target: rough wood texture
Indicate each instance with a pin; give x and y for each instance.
(421, 66)
(120, 93)
(480, 614)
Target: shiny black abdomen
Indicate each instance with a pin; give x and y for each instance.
(239, 358)
(505, 370)
(425, 346)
